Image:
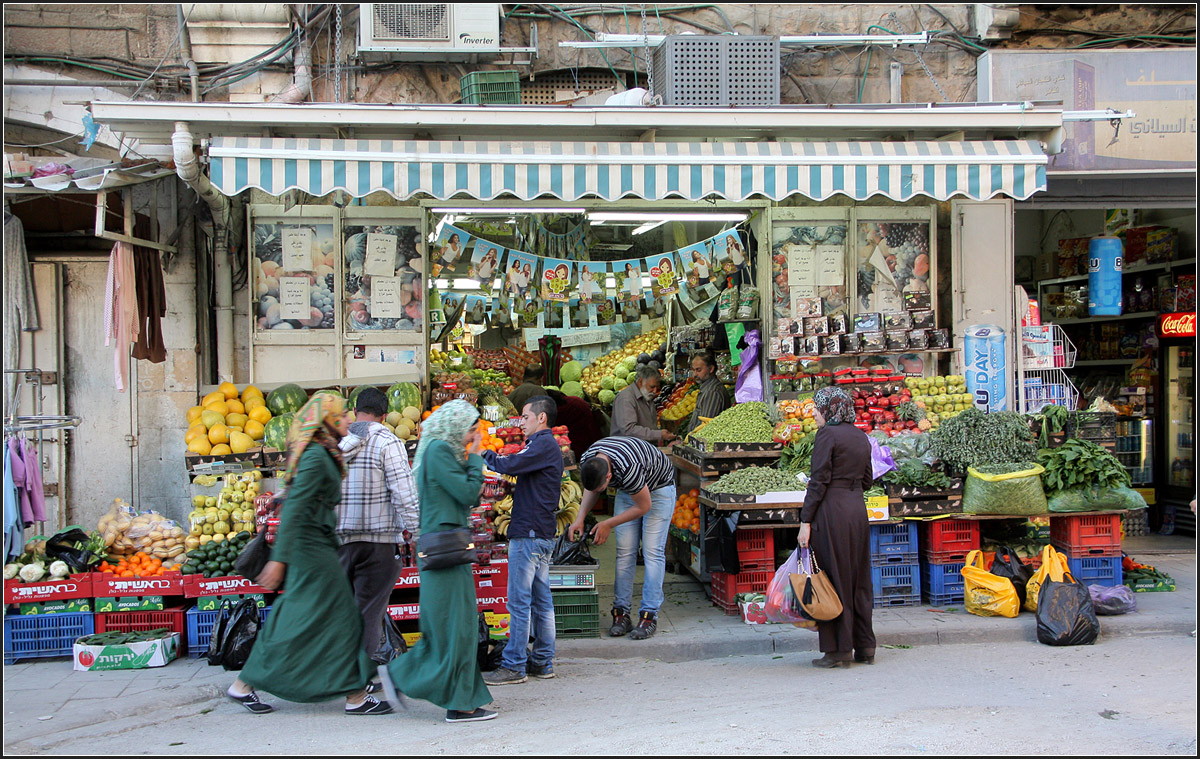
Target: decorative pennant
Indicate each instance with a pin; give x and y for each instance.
(485, 263)
(628, 274)
(448, 249)
(606, 312)
(476, 310)
(556, 279)
(592, 276)
(697, 263)
(730, 251)
(527, 315)
(663, 274)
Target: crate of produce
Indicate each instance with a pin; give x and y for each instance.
(109, 585)
(200, 627)
(727, 587)
(1097, 571)
(885, 559)
(1092, 425)
(902, 507)
(896, 581)
(93, 655)
(491, 88)
(577, 614)
(1087, 535)
(78, 586)
(43, 635)
(887, 539)
(566, 578)
(947, 541)
(942, 584)
(756, 548)
(728, 497)
(173, 620)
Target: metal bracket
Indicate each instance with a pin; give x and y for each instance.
(132, 440)
(101, 232)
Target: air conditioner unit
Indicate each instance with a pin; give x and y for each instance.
(428, 31)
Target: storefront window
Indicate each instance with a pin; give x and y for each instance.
(384, 285)
(808, 269)
(294, 275)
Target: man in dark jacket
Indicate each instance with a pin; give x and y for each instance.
(713, 397)
(530, 387)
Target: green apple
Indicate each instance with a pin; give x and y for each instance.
(198, 501)
(210, 502)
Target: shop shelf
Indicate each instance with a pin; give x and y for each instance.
(1095, 535)
(491, 88)
(577, 614)
(896, 580)
(893, 538)
(947, 541)
(726, 587)
(174, 620)
(942, 580)
(41, 635)
(200, 626)
(756, 549)
(1106, 571)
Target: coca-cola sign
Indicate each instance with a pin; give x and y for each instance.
(1177, 325)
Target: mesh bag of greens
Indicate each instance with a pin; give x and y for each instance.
(1014, 489)
(727, 303)
(1096, 498)
(747, 303)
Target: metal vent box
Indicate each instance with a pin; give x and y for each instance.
(708, 70)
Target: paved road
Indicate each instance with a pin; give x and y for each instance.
(1125, 695)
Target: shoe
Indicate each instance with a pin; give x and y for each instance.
(370, 706)
(863, 659)
(647, 626)
(390, 694)
(622, 624)
(503, 676)
(825, 662)
(374, 686)
(545, 672)
(251, 702)
(479, 715)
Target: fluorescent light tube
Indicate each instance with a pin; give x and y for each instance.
(499, 211)
(648, 226)
(665, 217)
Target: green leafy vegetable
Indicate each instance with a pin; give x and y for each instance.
(1081, 463)
(913, 473)
(797, 456)
(974, 438)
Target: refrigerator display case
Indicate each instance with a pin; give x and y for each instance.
(1135, 449)
(1180, 418)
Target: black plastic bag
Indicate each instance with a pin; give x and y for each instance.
(391, 642)
(236, 636)
(1065, 614)
(253, 558)
(490, 651)
(217, 638)
(569, 552)
(62, 547)
(1008, 564)
(720, 545)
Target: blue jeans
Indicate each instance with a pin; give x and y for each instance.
(652, 529)
(529, 603)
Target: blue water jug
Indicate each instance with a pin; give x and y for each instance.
(1105, 262)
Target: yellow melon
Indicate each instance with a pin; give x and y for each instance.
(235, 406)
(221, 407)
(240, 442)
(260, 414)
(211, 418)
(255, 429)
(221, 450)
(236, 420)
(228, 389)
(219, 433)
(251, 392)
(212, 398)
(196, 430)
(200, 445)
(193, 414)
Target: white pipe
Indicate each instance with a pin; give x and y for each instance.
(188, 169)
(301, 87)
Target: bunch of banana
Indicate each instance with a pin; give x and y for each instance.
(569, 499)
(503, 509)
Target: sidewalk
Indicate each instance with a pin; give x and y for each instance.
(46, 701)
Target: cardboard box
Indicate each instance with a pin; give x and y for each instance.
(754, 612)
(152, 653)
(1045, 265)
(129, 603)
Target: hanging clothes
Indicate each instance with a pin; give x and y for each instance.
(14, 534)
(121, 309)
(33, 508)
(152, 306)
(20, 305)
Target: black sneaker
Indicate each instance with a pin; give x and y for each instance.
(479, 715)
(622, 624)
(251, 702)
(375, 686)
(390, 694)
(543, 672)
(503, 676)
(646, 627)
(369, 706)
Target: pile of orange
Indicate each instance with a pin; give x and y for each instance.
(489, 443)
(138, 565)
(687, 511)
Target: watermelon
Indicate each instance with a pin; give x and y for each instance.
(286, 399)
(354, 396)
(402, 395)
(276, 430)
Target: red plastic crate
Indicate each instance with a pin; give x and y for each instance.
(756, 549)
(726, 587)
(948, 541)
(79, 586)
(1087, 536)
(174, 620)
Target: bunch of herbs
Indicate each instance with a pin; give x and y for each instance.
(974, 439)
(1081, 463)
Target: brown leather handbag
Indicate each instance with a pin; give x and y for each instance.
(814, 592)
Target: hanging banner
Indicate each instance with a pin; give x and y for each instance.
(606, 312)
(520, 275)
(663, 274)
(628, 277)
(556, 279)
(485, 262)
(501, 314)
(476, 310)
(448, 249)
(527, 315)
(592, 276)
(730, 251)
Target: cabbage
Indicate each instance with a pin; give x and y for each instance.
(573, 388)
(630, 364)
(572, 371)
(32, 572)
(620, 384)
(59, 570)
(629, 380)
(606, 383)
(607, 396)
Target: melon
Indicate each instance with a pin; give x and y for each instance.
(286, 399)
(413, 413)
(402, 395)
(240, 442)
(275, 432)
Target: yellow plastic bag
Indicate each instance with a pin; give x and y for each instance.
(986, 594)
(1054, 566)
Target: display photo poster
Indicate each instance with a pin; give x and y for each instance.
(520, 277)
(663, 274)
(627, 275)
(592, 277)
(730, 251)
(556, 280)
(486, 262)
(606, 312)
(449, 247)
(476, 310)
(892, 259)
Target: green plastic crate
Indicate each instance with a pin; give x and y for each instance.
(491, 88)
(576, 614)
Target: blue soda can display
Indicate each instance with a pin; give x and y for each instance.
(985, 364)
(1105, 262)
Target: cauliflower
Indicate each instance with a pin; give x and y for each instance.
(59, 570)
(32, 572)
(10, 571)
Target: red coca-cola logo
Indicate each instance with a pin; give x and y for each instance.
(1177, 325)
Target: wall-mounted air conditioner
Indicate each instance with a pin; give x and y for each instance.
(428, 31)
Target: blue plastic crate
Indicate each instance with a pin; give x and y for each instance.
(896, 580)
(894, 538)
(949, 599)
(942, 579)
(912, 599)
(1092, 571)
(41, 635)
(884, 559)
(199, 629)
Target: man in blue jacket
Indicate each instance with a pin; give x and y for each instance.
(538, 468)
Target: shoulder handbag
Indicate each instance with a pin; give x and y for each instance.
(814, 592)
(446, 548)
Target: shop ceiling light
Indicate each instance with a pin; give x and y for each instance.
(663, 217)
(502, 211)
(648, 226)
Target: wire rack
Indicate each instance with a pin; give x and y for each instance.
(1048, 387)
(1046, 347)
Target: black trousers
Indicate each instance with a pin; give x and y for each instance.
(372, 569)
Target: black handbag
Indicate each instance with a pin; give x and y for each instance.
(446, 548)
(253, 559)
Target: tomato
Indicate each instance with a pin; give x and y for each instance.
(86, 658)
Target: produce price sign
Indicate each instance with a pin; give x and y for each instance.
(294, 298)
(107, 584)
(297, 251)
(79, 586)
(385, 298)
(381, 255)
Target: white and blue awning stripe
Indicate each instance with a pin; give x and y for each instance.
(648, 170)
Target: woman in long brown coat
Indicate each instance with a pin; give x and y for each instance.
(834, 522)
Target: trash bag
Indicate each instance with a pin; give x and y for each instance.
(489, 652)
(237, 635)
(1008, 564)
(1096, 498)
(986, 594)
(1065, 615)
(572, 552)
(215, 640)
(781, 603)
(1052, 568)
(1118, 599)
(391, 642)
(720, 545)
(1017, 493)
(62, 547)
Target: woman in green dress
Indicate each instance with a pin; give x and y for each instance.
(442, 667)
(310, 648)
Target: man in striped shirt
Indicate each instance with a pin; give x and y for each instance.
(645, 483)
(713, 397)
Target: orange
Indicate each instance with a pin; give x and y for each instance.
(228, 389)
(221, 407)
(235, 406)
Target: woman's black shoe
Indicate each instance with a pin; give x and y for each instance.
(251, 702)
(825, 662)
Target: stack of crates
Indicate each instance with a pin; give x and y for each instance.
(895, 571)
(756, 557)
(1092, 544)
(944, 548)
(491, 88)
(1100, 427)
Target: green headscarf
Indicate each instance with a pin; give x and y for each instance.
(450, 423)
(315, 423)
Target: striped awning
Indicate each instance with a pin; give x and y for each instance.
(613, 170)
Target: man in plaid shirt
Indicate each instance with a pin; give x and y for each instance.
(379, 504)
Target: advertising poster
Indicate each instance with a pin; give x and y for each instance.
(592, 277)
(580, 314)
(476, 310)
(628, 276)
(556, 280)
(606, 312)
(520, 279)
(893, 259)
(528, 313)
(663, 274)
(730, 251)
(485, 264)
(449, 247)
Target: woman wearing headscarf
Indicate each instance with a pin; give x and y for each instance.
(443, 667)
(834, 523)
(310, 648)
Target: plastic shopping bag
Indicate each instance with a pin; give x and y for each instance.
(1053, 566)
(986, 594)
(1065, 615)
(881, 459)
(1015, 494)
(749, 385)
(1008, 564)
(1115, 600)
(781, 601)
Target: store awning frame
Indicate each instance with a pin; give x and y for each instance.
(571, 171)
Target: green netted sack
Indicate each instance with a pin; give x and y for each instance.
(1016, 493)
(1096, 498)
